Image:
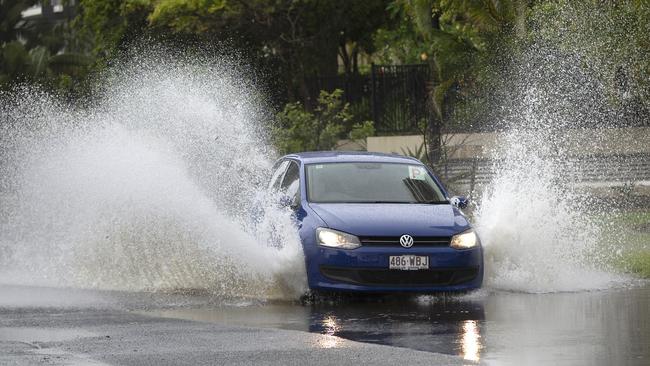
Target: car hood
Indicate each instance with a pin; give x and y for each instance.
(392, 219)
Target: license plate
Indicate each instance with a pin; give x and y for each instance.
(408, 262)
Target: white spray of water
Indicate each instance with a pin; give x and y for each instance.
(536, 239)
(151, 188)
(534, 222)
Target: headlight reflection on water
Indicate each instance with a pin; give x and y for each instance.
(330, 325)
(470, 341)
(330, 329)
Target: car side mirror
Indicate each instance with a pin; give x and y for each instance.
(288, 201)
(459, 201)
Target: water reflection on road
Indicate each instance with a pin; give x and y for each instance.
(604, 327)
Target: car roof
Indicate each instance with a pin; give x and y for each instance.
(349, 156)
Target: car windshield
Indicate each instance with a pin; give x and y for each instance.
(371, 183)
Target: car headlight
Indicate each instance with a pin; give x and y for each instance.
(465, 240)
(336, 239)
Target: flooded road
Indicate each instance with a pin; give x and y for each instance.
(584, 328)
(610, 327)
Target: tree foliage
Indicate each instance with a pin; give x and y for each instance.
(112, 24)
(452, 37)
(299, 129)
(466, 43)
(33, 51)
(292, 39)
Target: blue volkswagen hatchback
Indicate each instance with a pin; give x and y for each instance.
(378, 223)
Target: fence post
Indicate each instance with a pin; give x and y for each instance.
(373, 94)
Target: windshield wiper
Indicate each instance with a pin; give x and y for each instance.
(419, 195)
(415, 190)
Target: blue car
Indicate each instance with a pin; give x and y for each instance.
(378, 223)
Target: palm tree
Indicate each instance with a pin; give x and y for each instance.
(456, 33)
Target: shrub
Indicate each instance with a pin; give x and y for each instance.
(299, 129)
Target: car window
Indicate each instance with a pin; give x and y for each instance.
(278, 172)
(371, 183)
(291, 182)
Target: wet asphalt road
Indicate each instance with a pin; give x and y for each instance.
(499, 328)
(48, 326)
(71, 327)
(96, 337)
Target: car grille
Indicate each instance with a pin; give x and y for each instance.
(391, 277)
(392, 241)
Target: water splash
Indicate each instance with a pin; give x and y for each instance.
(149, 188)
(537, 234)
(537, 225)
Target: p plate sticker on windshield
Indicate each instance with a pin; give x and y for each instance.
(417, 172)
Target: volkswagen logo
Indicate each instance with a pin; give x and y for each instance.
(406, 241)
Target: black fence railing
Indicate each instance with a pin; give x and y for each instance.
(396, 98)
(396, 95)
(399, 97)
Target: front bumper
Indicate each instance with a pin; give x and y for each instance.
(365, 269)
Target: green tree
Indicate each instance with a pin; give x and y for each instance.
(112, 24)
(399, 42)
(14, 57)
(295, 39)
(38, 51)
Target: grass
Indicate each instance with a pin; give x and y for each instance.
(638, 263)
(629, 233)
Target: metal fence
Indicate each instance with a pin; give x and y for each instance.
(399, 97)
(396, 95)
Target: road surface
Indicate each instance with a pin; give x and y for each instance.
(74, 327)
